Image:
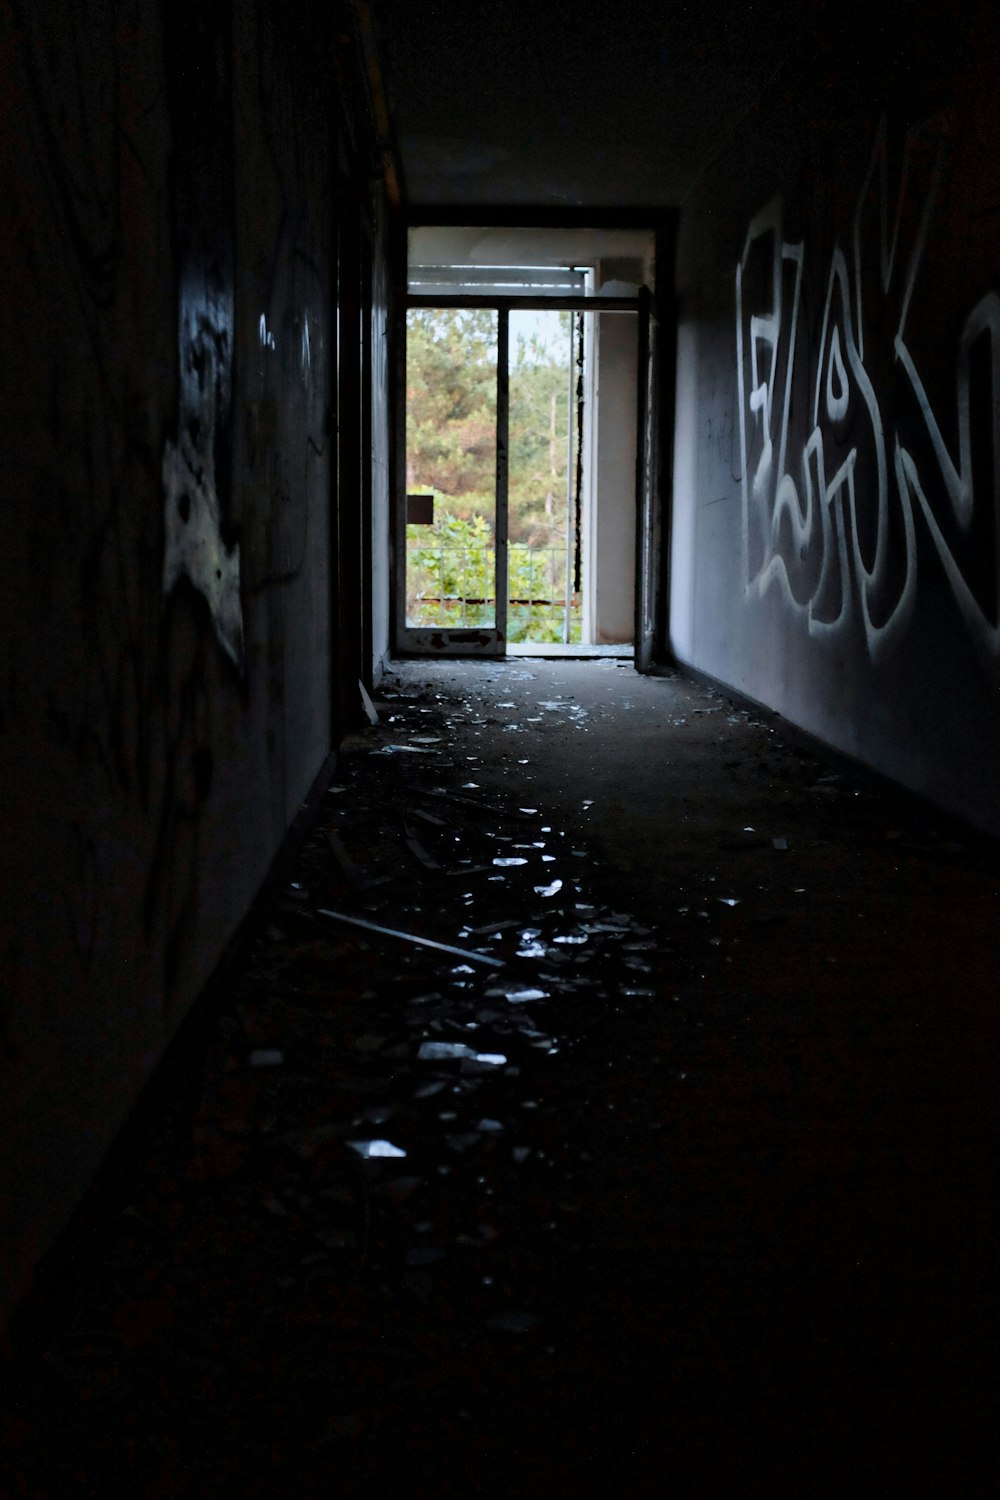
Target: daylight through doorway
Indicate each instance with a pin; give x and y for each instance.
(451, 472)
(451, 468)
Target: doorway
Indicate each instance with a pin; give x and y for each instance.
(524, 430)
(452, 474)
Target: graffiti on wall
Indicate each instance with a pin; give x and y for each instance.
(102, 698)
(199, 524)
(845, 452)
(193, 543)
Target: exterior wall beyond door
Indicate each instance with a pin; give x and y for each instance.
(613, 524)
(836, 533)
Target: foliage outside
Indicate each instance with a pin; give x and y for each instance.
(451, 452)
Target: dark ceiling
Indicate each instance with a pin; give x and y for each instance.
(561, 105)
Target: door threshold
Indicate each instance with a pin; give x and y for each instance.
(558, 650)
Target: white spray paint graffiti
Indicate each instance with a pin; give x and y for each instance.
(803, 529)
(194, 544)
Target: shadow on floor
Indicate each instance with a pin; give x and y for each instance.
(675, 1179)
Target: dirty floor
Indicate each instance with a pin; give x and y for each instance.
(673, 1172)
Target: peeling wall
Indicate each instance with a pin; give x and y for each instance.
(165, 670)
(836, 532)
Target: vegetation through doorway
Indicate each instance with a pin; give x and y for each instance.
(451, 461)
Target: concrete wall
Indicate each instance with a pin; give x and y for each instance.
(165, 593)
(836, 538)
(613, 495)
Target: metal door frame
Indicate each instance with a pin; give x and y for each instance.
(647, 508)
(486, 641)
(472, 640)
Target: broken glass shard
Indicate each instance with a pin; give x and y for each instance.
(371, 1149)
(549, 890)
(428, 1090)
(505, 864)
(436, 1051)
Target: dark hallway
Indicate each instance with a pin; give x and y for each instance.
(682, 1193)
(428, 1068)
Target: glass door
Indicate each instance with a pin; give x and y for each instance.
(545, 479)
(452, 567)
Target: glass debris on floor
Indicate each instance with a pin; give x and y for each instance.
(420, 1091)
(435, 958)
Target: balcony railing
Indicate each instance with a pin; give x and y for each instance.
(455, 586)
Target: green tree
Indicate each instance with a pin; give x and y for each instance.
(451, 405)
(451, 450)
(538, 418)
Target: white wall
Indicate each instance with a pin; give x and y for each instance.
(837, 443)
(613, 496)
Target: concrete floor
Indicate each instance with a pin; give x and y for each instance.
(713, 1214)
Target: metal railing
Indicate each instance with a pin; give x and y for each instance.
(455, 586)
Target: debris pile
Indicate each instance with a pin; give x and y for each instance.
(380, 1142)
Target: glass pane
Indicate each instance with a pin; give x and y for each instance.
(542, 480)
(451, 451)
